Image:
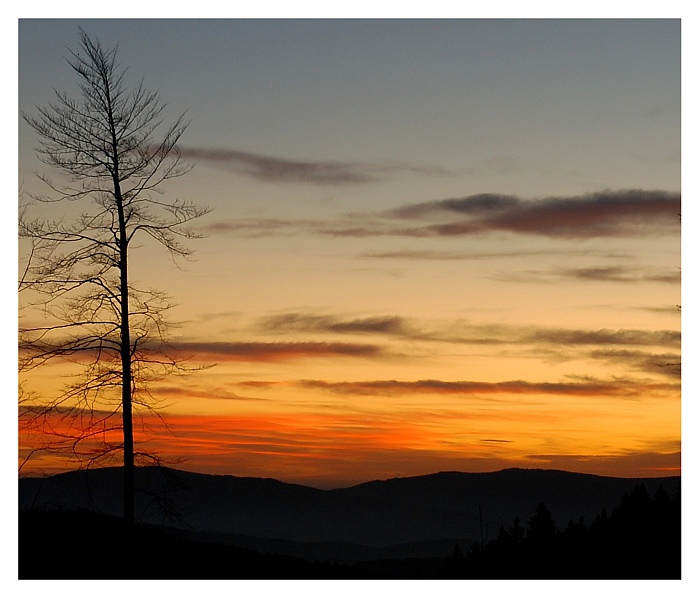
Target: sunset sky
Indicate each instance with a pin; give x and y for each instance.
(434, 245)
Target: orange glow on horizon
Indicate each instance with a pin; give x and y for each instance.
(341, 450)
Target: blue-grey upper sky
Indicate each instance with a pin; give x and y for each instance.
(540, 106)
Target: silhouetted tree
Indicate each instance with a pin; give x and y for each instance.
(113, 152)
(575, 530)
(542, 526)
(517, 531)
(640, 540)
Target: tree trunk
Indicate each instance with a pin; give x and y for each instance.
(127, 423)
(125, 350)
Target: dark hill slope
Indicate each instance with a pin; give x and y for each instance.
(56, 545)
(463, 503)
(380, 513)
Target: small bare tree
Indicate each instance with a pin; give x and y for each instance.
(113, 152)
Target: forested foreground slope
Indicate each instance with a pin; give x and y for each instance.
(444, 525)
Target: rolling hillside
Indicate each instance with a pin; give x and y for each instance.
(405, 517)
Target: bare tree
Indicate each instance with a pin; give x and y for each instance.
(113, 151)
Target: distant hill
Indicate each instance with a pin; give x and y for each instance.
(419, 516)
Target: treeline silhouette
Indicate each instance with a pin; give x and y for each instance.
(639, 539)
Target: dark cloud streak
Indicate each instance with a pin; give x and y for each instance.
(604, 337)
(603, 214)
(615, 274)
(465, 333)
(296, 322)
(430, 255)
(668, 364)
(587, 387)
(258, 351)
(622, 213)
(483, 203)
(273, 169)
(619, 274)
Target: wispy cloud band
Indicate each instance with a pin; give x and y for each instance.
(274, 169)
(601, 214)
(584, 387)
(260, 351)
(464, 332)
(622, 213)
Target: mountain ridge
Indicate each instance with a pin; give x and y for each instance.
(427, 510)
